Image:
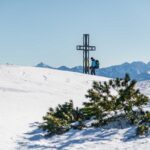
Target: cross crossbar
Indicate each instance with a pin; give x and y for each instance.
(88, 48)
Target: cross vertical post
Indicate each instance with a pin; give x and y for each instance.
(86, 48)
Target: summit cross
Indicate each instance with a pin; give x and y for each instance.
(86, 48)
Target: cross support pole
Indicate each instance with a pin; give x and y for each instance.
(86, 48)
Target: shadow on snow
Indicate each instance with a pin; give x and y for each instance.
(36, 139)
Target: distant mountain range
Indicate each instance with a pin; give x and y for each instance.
(138, 70)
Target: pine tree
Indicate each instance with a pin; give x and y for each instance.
(113, 96)
(59, 120)
(143, 124)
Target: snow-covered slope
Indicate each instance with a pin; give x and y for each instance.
(26, 93)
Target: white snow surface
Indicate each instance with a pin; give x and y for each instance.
(26, 93)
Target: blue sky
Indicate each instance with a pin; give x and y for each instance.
(32, 31)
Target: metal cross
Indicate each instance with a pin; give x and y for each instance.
(86, 48)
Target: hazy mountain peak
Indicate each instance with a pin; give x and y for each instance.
(42, 65)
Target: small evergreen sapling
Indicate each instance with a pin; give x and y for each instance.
(143, 124)
(112, 97)
(59, 120)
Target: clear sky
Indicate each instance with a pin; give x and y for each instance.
(32, 31)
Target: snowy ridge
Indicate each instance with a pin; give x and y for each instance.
(27, 93)
(138, 70)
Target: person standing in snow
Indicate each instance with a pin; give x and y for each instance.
(93, 66)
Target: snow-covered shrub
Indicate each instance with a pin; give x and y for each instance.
(59, 120)
(118, 96)
(143, 124)
(142, 130)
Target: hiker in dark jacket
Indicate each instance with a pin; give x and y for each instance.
(93, 66)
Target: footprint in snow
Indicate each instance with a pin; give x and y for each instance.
(45, 78)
